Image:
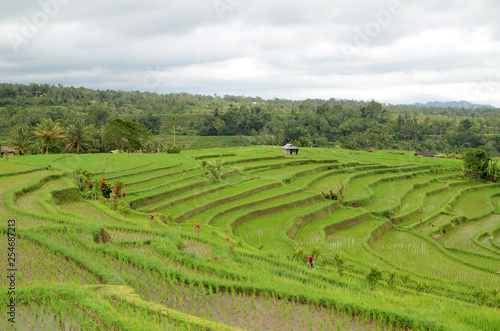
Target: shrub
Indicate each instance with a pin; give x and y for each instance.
(480, 295)
(105, 188)
(391, 280)
(118, 191)
(405, 280)
(478, 165)
(435, 170)
(119, 205)
(298, 254)
(82, 179)
(339, 261)
(214, 168)
(316, 252)
(343, 188)
(204, 164)
(373, 277)
(330, 196)
(173, 150)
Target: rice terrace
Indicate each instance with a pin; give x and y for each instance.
(248, 238)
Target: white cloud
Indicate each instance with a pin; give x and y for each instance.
(422, 51)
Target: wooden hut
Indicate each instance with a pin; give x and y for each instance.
(290, 149)
(425, 154)
(8, 152)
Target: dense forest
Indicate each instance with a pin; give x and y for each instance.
(43, 118)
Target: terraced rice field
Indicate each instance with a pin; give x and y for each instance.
(414, 254)
(462, 235)
(260, 248)
(310, 235)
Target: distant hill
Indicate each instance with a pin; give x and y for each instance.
(451, 104)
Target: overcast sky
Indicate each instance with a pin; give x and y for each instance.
(392, 51)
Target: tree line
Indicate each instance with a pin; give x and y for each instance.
(104, 120)
(78, 137)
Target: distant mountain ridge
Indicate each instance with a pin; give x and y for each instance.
(451, 104)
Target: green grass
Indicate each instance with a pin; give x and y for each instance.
(412, 253)
(7, 167)
(412, 200)
(359, 187)
(389, 194)
(266, 230)
(437, 201)
(228, 217)
(213, 214)
(240, 269)
(475, 203)
(349, 242)
(310, 235)
(461, 235)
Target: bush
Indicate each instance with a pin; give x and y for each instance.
(330, 196)
(173, 150)
(373, 277)
(82, 179)
(105, 188)
(339, 261)
(478, 165)
(299, 254)
(214, 168)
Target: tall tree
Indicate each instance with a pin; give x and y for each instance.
(478, 165)
(78, 135)
(49, 131)
(174, 122)
(20, 140)
(125, 134)
(99, 142)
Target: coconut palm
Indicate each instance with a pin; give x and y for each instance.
(99, 142)
(49, 131)
(21, 140)
(78, 135)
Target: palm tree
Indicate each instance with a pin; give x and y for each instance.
(21, 140)
(174, 121)
(47, 131)
(78, 134)
(99, 142)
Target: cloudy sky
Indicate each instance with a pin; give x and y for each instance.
(393, 51)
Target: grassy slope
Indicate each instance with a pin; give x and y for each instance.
(227, 266)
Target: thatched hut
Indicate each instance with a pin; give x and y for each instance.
(8, 152)
(290, 149)
(425, 153)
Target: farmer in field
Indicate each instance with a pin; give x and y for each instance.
(310, 259)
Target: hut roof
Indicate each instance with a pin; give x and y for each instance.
(290, 146)
(8, 150)
(426, 153)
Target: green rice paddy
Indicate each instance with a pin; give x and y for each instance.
(183, 250)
